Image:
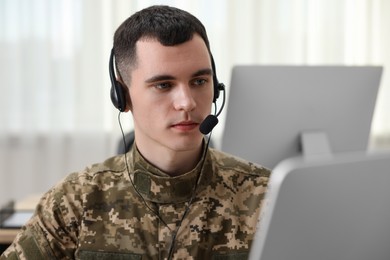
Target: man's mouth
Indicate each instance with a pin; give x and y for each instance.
(185, 125)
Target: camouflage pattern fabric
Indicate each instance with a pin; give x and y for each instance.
(97, 214)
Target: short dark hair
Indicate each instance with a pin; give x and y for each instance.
(168, 25)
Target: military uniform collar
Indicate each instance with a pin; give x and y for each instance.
(159, 187)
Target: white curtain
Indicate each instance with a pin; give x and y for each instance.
(56, 115)
(55, 111)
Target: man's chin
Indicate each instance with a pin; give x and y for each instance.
(187, 145)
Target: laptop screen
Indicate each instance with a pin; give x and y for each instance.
(334, 208)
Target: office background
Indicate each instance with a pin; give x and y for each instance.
(55, 113)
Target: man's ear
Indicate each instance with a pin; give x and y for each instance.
(129, 106)
(126, 93)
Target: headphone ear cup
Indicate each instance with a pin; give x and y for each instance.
(118, 96)
(216, 89)
(117, 92)
(217, 86)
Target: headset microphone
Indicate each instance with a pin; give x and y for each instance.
(208, 124)
(211, 121)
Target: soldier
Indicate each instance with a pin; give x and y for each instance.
(170, 196)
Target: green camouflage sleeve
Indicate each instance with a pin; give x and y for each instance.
(52, 232)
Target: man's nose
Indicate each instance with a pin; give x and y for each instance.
(183, 98)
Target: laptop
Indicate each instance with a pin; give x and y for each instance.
(330, 208)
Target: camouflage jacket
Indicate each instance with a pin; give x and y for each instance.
(97, 213)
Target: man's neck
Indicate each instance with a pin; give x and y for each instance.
(173, 163)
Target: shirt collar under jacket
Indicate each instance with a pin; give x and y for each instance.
(159, 187)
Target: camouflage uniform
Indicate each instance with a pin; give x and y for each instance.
(97, 214)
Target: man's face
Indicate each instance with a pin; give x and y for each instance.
(171, 92)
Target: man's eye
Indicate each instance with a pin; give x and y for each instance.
(199, 82)
(163, 86)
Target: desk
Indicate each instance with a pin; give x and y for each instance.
(7, 235)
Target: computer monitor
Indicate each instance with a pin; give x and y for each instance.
(327, 196)
(270, 106)
(332, 208)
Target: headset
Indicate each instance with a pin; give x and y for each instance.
(118, 95)
(117, 92)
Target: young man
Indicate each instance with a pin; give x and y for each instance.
(170, 197)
